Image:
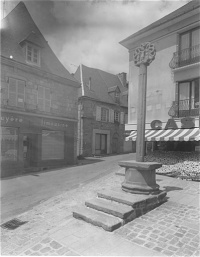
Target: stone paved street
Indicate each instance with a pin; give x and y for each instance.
(172, 229)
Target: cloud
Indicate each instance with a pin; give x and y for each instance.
(89, 32)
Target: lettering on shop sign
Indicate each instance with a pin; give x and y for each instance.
(8, 119)
(186, 123)
(54, 124)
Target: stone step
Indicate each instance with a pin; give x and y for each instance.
(113, 208)
(100, 219)
(122, 197)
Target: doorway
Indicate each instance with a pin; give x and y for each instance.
(100, 144)
(27, 149)
(115, 143)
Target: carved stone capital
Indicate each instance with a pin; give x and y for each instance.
(144, 54)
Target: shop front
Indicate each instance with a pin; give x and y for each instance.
(32, 143)
(173, 135)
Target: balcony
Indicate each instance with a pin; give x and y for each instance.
(184, 108)
(185, 57)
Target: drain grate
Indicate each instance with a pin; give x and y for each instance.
(13, 224)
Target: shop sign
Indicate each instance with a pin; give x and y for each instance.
(6, 119)
(186, 123)
(54, 124)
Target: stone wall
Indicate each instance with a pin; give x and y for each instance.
(90, 123)
(64, 98)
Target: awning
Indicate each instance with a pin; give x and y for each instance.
(168, 135)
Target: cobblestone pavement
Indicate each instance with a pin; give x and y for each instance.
(172, 229)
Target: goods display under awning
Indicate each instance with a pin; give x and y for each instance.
(168, 135)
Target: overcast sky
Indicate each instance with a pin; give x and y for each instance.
(89, 32)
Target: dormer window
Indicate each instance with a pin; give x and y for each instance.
(116, 94)
(33, 54)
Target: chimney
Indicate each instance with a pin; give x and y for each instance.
(122, 77)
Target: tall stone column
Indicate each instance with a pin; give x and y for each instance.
(143, 56)
(140, 177)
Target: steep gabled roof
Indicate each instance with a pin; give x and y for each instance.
(17, 27)
(100, 82)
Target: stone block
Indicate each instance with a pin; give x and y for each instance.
(140, 177)
(116, 209)
(107, 222)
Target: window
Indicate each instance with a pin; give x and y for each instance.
(188, 98)
(117, 116)
(16, 92)
(189, 46)
(32, 54)
(104, 114)
(9, 144)
(116, 94)
(44, 99)
(52, 145)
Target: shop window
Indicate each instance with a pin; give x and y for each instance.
(32, 54)
(9, 144)
(44, 99)
(52, 145)
(104, 114)
(16, 92)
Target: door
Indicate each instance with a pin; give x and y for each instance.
(100, 144)
(27, 149)
(115, 144)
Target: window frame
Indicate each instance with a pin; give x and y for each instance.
(116, 114)
(17, 143)
(106, 114)
(190, 36)
(16, 92)
(190, 82)
(33, 47)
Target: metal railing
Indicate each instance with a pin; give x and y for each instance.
(184, 108)
(185, 57)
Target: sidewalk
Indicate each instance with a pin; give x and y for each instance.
(169, 230)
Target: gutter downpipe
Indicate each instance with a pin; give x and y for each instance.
(81, 112)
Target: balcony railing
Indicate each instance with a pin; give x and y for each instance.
(185, 57)
(184, 108)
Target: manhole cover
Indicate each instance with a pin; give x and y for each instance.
(13, 224)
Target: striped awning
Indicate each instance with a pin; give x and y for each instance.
(168, 135)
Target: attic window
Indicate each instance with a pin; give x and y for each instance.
(116, 94)
(32, 54)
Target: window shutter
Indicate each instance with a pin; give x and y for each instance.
(122, 118)
(20, 93)
(12, 92)
(47, 105)
(41, 98)
(111, 115)
(126, 118)
(98, 113)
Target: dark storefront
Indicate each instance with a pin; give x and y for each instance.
(30, 143)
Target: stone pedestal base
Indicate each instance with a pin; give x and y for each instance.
(140, 177)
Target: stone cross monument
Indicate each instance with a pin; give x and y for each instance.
(140, 176)
(143, 56)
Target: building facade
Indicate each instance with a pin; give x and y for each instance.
(173, 78)
(102, 112)
(39, 100)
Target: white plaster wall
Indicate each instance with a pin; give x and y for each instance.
(160, 83)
